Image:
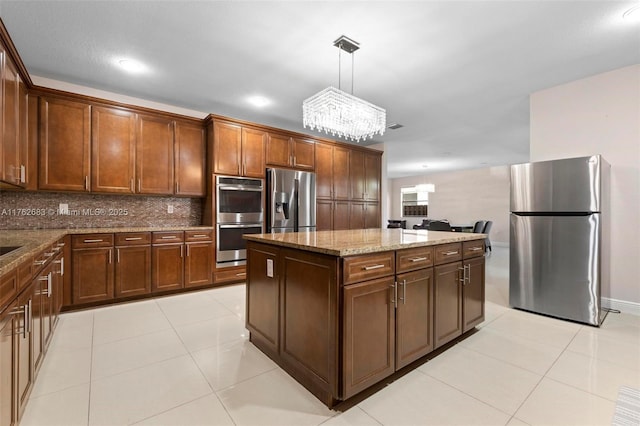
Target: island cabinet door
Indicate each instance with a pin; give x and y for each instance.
(447, 302)
(414, 316)
(263, 294)
(473, 293)
(369, 334)
(309, 318)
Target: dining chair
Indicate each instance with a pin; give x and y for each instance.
(486, 230)
(478, 227)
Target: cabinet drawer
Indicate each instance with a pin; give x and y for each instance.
(8, 288)
(230, 275)
(167, 237)
(446, 253)
(133, 238)
(369, 266)
(473, 248)
(415, 258)
(92, 240)
(205, 235)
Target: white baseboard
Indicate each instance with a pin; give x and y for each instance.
(623, 306)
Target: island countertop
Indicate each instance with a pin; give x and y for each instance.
(361, 241)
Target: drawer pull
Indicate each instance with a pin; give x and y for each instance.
(241, 274)
(418, 259)
(200, 236)
(133, 238)
(369, 268)
(93, 241)
(39, 262)
(49, 254)
(60, 244)
(475, 248)
(450, 253)
(172, 237)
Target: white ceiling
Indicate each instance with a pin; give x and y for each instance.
(456, 74)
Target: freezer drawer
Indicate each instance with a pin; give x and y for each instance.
(555, 266)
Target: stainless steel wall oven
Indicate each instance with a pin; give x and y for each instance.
(239, 211)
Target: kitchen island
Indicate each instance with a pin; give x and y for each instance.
(341, 311)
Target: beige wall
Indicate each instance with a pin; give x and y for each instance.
(600, 115)
(463, 197)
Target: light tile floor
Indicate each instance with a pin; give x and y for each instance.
(185, 360)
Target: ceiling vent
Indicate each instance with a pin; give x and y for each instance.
(394, 126)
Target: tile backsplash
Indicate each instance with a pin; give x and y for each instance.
(41, 210)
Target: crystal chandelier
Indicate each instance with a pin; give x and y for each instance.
(342, 114)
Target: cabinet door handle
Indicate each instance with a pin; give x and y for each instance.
(177, 187)
(24, 310)
(133, 238)
(131, 186)
(394, 297)
(117, 255)
(188, 250)
(61, 263)
(369, 268)
(109, 256)
(404, 292)
(418, 259)
(139, 185)
(23, 174)
(86, 183)
(467, 274)
(181, 251)
(93, 241)
(475, 248)
(241, 274)
(450, 253)
(464, 274)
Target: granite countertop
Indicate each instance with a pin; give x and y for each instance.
(362, 241)
(33, 241)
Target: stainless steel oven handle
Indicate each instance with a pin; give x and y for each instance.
(243, 225)
(240, 188)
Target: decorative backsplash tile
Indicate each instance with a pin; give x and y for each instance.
(41, 210)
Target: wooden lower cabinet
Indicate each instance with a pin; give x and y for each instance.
(369, 334)
(7, 395)
(414, 316)
(447, 302)
(132, 271)
(167, 268)
(198, 264)
(473, 293)
(92, 275)
(23, 351)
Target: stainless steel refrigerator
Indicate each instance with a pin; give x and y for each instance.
(291, 201)
(559, 238)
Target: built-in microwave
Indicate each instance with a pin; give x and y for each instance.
(239, 200)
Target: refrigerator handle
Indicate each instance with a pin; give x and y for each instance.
(296, 203)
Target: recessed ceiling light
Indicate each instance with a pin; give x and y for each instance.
(131, 65)
(632, 14)
(258, 101)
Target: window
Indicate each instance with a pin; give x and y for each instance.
(415, 200)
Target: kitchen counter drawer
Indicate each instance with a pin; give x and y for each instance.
(167, 237)
(447, 253)
(415, 258)
(133, 238)
(473, 248)
(193, 236)
(92, 240)
(368, 266)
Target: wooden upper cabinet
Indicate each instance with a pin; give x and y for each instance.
(372, 176)
(324, 171)
(190, 159)
(25, 136)
(364, 169)
(154, 155)
(227, 148)
(253, 143)
(65, 128)
(279, 151)
(11, 123)
(304, 154)
(113, 145)
(357, 175)
(284, 151)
